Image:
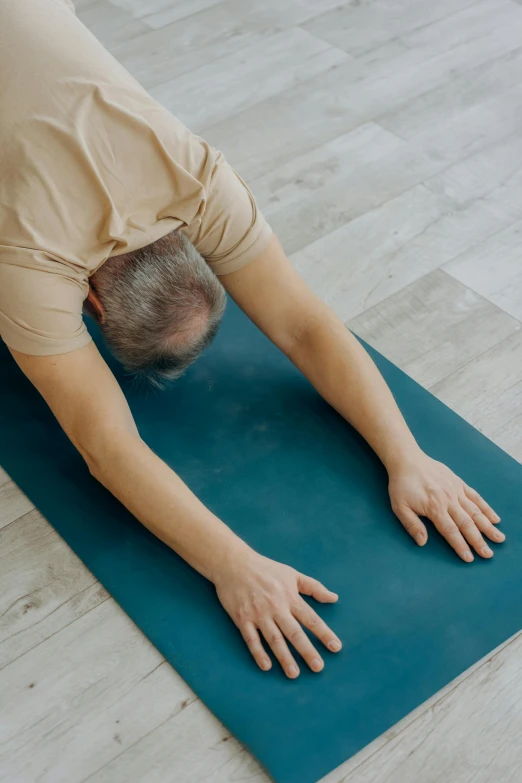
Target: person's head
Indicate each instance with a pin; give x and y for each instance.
(158, 307)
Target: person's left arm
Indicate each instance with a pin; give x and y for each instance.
(279, 302)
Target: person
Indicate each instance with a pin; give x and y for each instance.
(109, 202)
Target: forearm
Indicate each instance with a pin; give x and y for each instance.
(159, 499)
(345, 375)
(90, 406)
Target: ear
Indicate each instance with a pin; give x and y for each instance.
(96, 305)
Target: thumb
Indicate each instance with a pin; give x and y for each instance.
(412, 524)
(308, 586)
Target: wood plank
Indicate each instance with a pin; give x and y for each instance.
(473, 129)
(361, 263)
(308, 174)
(497, 166)
(160, 55)
(359, 28)
(109, 24)
(191, 746)
(493, 268)
(138, 8)
(13, 503)
(237, 81)
(320, 191)
(449, 101)
(43, 585)
(4, 478)
(487, 392)
(158, 13)
(389, 247)
(434, 327)
(176, 48)
(433, 55)
(274, 131)
(267, 13)
(82, 696)
(279, 129)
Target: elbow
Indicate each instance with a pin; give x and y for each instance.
(305, 334)
(92, 459)
(100, 450)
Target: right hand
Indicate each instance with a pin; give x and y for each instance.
(262, 595)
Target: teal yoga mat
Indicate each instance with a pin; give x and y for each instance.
(257, 444)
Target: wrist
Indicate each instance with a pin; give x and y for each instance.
(403, 457)
(230, 558)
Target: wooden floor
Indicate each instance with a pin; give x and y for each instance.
(383, 141)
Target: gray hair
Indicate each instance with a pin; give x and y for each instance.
(162, 305)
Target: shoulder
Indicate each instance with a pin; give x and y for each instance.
(40, 305)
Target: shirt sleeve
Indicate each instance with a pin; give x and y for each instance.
(231, 231)
(41, 310)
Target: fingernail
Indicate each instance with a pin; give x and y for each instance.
(334, 646)
(317, 664)
(419, 539)
(486, 551)
(292, 671)
(468, 556)
(265, 665)
(497, 518)
(499, 535)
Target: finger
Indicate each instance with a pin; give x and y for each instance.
(481, 521)
(481, 503)
(251, 636)
(412, 524)
(470, 531)
(279, 647)
(447, 528)
(308, 586)
(295, 634)
(311, 620)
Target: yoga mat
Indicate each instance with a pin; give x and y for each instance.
(252, 438)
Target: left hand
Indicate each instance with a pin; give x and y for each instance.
(419, 485)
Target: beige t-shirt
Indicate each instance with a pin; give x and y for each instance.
(91, 166)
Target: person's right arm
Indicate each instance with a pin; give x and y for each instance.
(261, 595)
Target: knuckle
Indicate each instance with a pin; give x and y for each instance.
(434, 504)
(291, 596)
(433, 492)
(448, 491)
(295, 634)
(275, 638)
(296, 605)
(466, 525)
(251, 641)
(273, 603)
(256, 605)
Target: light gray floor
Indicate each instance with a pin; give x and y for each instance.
(383, 141)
